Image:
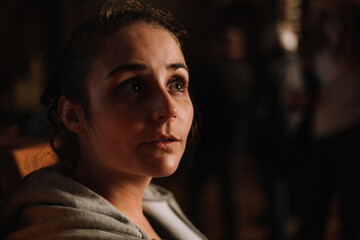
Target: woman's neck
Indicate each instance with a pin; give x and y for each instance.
(123, 191)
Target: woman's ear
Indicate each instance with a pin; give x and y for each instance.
(71, 115)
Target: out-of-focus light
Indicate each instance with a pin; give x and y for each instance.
(288, 39)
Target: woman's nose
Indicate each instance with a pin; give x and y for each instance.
(164, 106)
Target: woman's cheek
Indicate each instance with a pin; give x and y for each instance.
(190, 112)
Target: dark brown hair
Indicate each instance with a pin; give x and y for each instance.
(83, 47)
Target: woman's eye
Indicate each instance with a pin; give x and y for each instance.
(178, 85)
(129, 86)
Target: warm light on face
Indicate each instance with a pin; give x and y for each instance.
(139, 104)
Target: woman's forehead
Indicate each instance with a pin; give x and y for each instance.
(140, 38)
(138, 45)
(126, 31)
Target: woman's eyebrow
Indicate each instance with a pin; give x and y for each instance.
(137, 66)
(175, 66)
(123, 67)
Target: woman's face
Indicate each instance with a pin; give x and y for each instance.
(140, 108)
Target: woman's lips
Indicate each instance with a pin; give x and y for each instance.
(163, 142)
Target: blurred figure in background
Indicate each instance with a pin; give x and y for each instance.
(277, 122)
(224, 91)
(224, 105)
(250, 103)
(331, 53)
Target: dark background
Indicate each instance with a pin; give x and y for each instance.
(251, 173)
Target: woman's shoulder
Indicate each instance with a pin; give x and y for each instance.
(50, 184)
(53, 186)
(47, 201)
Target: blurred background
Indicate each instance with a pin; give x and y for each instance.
(276, 85)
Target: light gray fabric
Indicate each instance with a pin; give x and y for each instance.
(49, 205)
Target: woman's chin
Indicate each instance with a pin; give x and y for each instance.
(165, 167)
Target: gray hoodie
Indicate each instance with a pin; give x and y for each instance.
(50, 205)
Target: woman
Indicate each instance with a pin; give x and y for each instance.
(121, 105)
